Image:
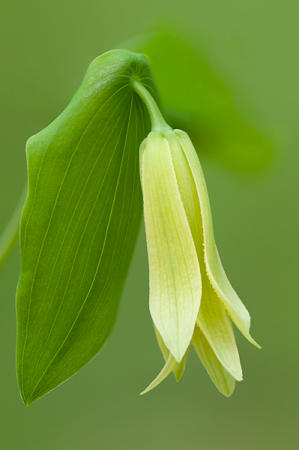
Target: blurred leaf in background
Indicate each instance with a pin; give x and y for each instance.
(198, 100)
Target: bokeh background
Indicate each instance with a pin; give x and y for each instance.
(45, 48)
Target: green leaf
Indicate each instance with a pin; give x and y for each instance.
(80, 223)
(200, 102)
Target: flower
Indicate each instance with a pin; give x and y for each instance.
(191, 299)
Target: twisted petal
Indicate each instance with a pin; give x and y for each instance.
(170, 366)
(175, 281)
(222, 379)
(166, 370)
(215, 271)
(217, 329)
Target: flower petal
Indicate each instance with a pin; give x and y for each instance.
(179, 368)
(175, 280)
(215, 271)
(223, 381)
(217, 329)
(166, 370)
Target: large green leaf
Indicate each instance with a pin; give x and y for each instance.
(199, 101)
(80, 223)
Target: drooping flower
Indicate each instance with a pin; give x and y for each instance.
(191, 299)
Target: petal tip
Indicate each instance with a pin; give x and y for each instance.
(145, 391)
(166, 370)
(253, 342)
(237, 375)
(179, 355)
(228, 394)
(176, 347)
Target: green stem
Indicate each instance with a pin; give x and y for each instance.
(9, 237)
(157, 120)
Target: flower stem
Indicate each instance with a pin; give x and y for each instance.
(9, 237)
(157, 120)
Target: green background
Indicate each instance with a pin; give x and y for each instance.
(45, 48)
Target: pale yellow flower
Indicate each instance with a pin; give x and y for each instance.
(191, 299)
